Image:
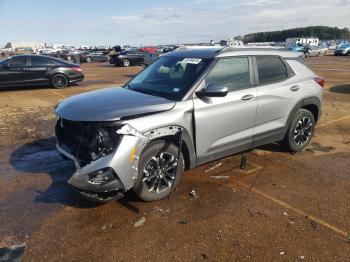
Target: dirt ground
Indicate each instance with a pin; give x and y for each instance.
(283, 207)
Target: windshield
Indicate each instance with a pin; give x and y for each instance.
(169, 77)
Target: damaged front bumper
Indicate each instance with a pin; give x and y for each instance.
(109, 176)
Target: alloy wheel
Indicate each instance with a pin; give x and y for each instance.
(303, 131)
(126, 63)
(159, 172)
(60, 81)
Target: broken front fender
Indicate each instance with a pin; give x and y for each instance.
(121, 161)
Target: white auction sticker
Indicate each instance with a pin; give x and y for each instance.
(191, 60)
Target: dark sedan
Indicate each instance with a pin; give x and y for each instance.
(94, 57)
(38, 70)
(128, 58)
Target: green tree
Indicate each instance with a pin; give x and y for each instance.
(322, 32)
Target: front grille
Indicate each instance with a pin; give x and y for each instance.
(86, 141)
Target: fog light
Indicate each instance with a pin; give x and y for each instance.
(102, 176)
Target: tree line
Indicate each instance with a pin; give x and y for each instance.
(322, 32)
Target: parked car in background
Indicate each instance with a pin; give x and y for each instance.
(148, 49)
(38, 70)
(67, 55)
(324, 48)
(313, 51)
(216, 101)
(149, 58)
(129, 58)
(343, 49)
(332, 46)
(94, 57)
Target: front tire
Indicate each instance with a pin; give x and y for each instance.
(59, 81)
(300, 131)
(126, 62)
(157, 168)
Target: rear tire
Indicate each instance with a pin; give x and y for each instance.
(300, 131)
(157, 171)
(59, 81)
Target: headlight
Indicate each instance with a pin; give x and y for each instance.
(103, 176)
(129, 130)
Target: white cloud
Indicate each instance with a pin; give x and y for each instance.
(197, 20)
(203, 20)
(262, 2)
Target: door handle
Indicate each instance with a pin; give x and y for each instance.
(247, 97)
(294, 88)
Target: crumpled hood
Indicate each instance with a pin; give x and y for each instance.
(110, 104)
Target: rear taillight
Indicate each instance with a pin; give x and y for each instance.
(320, 80)
(77, 69)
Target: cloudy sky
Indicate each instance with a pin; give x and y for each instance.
(136, 22)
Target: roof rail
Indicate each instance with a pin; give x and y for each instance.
(195, 47)
(253, 48)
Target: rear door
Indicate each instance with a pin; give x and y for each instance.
(13, 71)
(39, 68)
(279, 90)
(224, 125)
(139, 57)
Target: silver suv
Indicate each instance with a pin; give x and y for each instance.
(189, 107)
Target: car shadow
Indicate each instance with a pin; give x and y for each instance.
(41, 158)
(273, 147)
(108, 65)
(340, 89)
(20, 88)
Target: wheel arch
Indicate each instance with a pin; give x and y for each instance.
(313, 104)
(56, 71)
(187, 147)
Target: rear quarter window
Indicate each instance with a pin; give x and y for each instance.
(41, 61)
(271, 69)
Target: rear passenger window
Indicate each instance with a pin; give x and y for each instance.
(271, 69)
(232, 73)
(41, 61)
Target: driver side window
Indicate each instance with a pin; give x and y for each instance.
(232, 72)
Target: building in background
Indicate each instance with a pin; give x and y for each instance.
(302, 41)
(234, 42)
(28, 46)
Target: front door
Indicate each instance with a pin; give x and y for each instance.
(13, 71)
(224, 125)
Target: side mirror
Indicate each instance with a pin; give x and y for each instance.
(213, 90)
